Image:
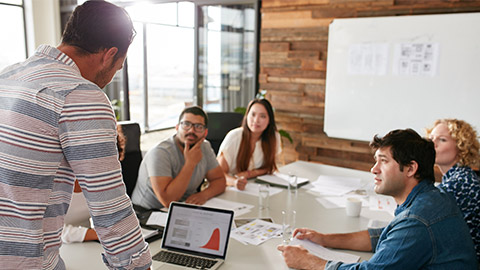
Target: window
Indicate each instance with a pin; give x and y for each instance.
(163, 51)
(12, 28)
(227, 56)
(177, 61)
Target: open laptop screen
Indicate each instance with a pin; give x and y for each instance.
(198, 229)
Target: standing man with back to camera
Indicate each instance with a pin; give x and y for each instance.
(58, 125)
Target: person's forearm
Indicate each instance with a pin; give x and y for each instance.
(252, 173)
(315, 263)
(215, 188)
(359, 241)
(177, 186)
(257, 172)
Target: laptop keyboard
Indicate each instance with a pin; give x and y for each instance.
(184, 260)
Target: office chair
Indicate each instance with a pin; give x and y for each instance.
(133, 154)
(219, 124)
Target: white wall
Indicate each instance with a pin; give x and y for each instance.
(46, 22)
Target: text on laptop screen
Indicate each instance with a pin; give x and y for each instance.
(198, 230)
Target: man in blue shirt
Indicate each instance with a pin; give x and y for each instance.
(428, 231)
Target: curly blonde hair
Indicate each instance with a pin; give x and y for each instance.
(466, 138)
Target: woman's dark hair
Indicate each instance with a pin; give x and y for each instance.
(97, 25)
(269, 140)
(407, 146)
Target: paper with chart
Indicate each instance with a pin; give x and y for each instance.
(383, 203)
(325, 253)
(256, 232)
(415, 59)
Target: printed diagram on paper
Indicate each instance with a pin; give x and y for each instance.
(415, 59)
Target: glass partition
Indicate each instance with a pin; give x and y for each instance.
(227, 56)
(12, 29)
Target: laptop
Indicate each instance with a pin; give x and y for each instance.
(195, 237)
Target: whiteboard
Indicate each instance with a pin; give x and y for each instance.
(371, 88)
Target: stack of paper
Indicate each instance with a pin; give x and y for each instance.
(157, 218)
(148, 233)
(325, 253)
(335, 185)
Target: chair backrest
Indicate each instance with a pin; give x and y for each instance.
(133, 154)
(219, 124)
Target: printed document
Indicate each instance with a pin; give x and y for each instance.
(325, 253)
(256, 232)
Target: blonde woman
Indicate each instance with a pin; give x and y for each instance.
(457, 150)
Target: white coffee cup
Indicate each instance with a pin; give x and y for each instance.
(354, 206)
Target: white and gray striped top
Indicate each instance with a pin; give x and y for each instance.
(56, 126)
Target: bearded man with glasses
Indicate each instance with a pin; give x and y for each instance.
(175, 169)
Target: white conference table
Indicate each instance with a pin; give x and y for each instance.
(310, 213)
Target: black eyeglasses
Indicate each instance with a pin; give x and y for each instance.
(186, 125)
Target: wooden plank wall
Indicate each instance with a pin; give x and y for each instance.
(293, 52)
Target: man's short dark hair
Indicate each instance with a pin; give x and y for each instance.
(407, 146)
(196, 110)
(97, 25)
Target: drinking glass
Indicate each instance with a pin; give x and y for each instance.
(263, 196)
(288, 225)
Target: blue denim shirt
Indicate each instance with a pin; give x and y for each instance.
(428, 232)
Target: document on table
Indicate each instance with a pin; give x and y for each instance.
(383, 203)
(256, 232)
(157, 218)
(325, 253)
(331, 202)
(252, 189)
(280, 179)
(336, 185)
(238, 208)
(148, 233)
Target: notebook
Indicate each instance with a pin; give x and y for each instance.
(196, 233)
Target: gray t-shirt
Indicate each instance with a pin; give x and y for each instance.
(166, 159)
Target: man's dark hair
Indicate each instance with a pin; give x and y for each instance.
(407, 146)
(97, 25)
(196, 110)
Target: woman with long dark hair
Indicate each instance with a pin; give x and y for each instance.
(252, 149)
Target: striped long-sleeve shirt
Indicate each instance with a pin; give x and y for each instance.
(56, 126)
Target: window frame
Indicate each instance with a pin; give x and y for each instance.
(198, 94)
